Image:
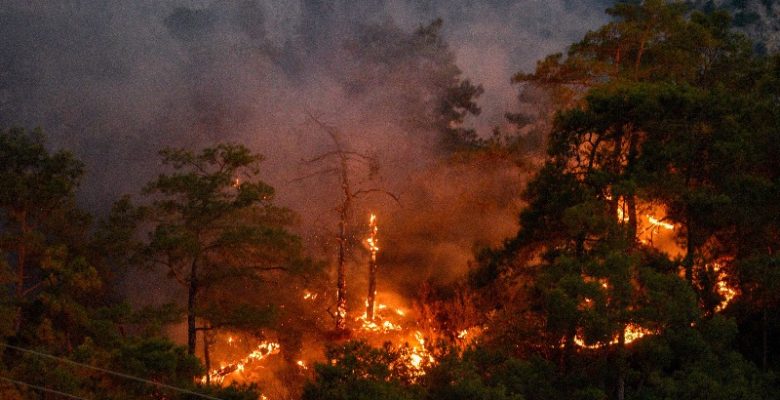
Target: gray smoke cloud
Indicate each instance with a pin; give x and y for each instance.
(115, 81)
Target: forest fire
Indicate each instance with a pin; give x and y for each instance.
(420, 356)
(722, 287)
(379, 323)
(649, 229)
(383, 320)
(376, 318)
(263, 350)
(382, 329)
(383, 326)
(631, 333)
(599, 222)
(391, 324)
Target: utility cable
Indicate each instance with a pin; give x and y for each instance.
(43, 389)
(106, 371)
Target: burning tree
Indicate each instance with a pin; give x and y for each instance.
(342, 161)
(373, 247)
(216, 229)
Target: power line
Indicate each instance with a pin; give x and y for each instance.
(43, 389)
(106, 371)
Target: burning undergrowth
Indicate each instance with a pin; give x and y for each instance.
(379, 314)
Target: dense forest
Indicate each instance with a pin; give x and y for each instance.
(640, 170)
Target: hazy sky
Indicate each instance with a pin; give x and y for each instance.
(115, 80)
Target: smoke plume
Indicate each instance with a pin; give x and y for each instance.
(116, 81)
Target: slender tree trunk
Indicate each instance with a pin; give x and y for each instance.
(621, 383)
(632, 219)
(631, 197)
(191, 304)
(642, 44)
(690, 248)
(207, 354)
(615, 166)
(341, 285)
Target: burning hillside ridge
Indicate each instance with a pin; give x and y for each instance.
(242, 359)
(653, 230)
(384, 318)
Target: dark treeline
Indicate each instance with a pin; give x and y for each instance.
(663, 112)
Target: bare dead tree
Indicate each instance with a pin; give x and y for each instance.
(343, 159)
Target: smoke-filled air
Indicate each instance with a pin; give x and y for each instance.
(393, 200)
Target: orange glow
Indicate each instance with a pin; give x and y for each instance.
(722, 287)
(262, 351)
(655, 222)
(631, 333)
(373, 243)
(389, 325)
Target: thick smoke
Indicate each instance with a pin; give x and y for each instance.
(116, 81)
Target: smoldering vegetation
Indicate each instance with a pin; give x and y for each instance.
(116, 81)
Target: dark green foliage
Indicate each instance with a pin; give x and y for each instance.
(649, 115)
(59, 297)
(218, 233)
(355, 371)
(662, 106)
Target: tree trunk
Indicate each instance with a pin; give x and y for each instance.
(689, 250)
(631, 197)
(341, 285)
(207, 355)
(191, 303)
(621, 383)
(632, 220)
(642, 44)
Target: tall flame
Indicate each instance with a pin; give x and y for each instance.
(373, 243)
(722, 287)
(373, 247)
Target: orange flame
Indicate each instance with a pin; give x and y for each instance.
(373, 243)
(656, 222)
(262, 351)
(632, 333)
(722, 287)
